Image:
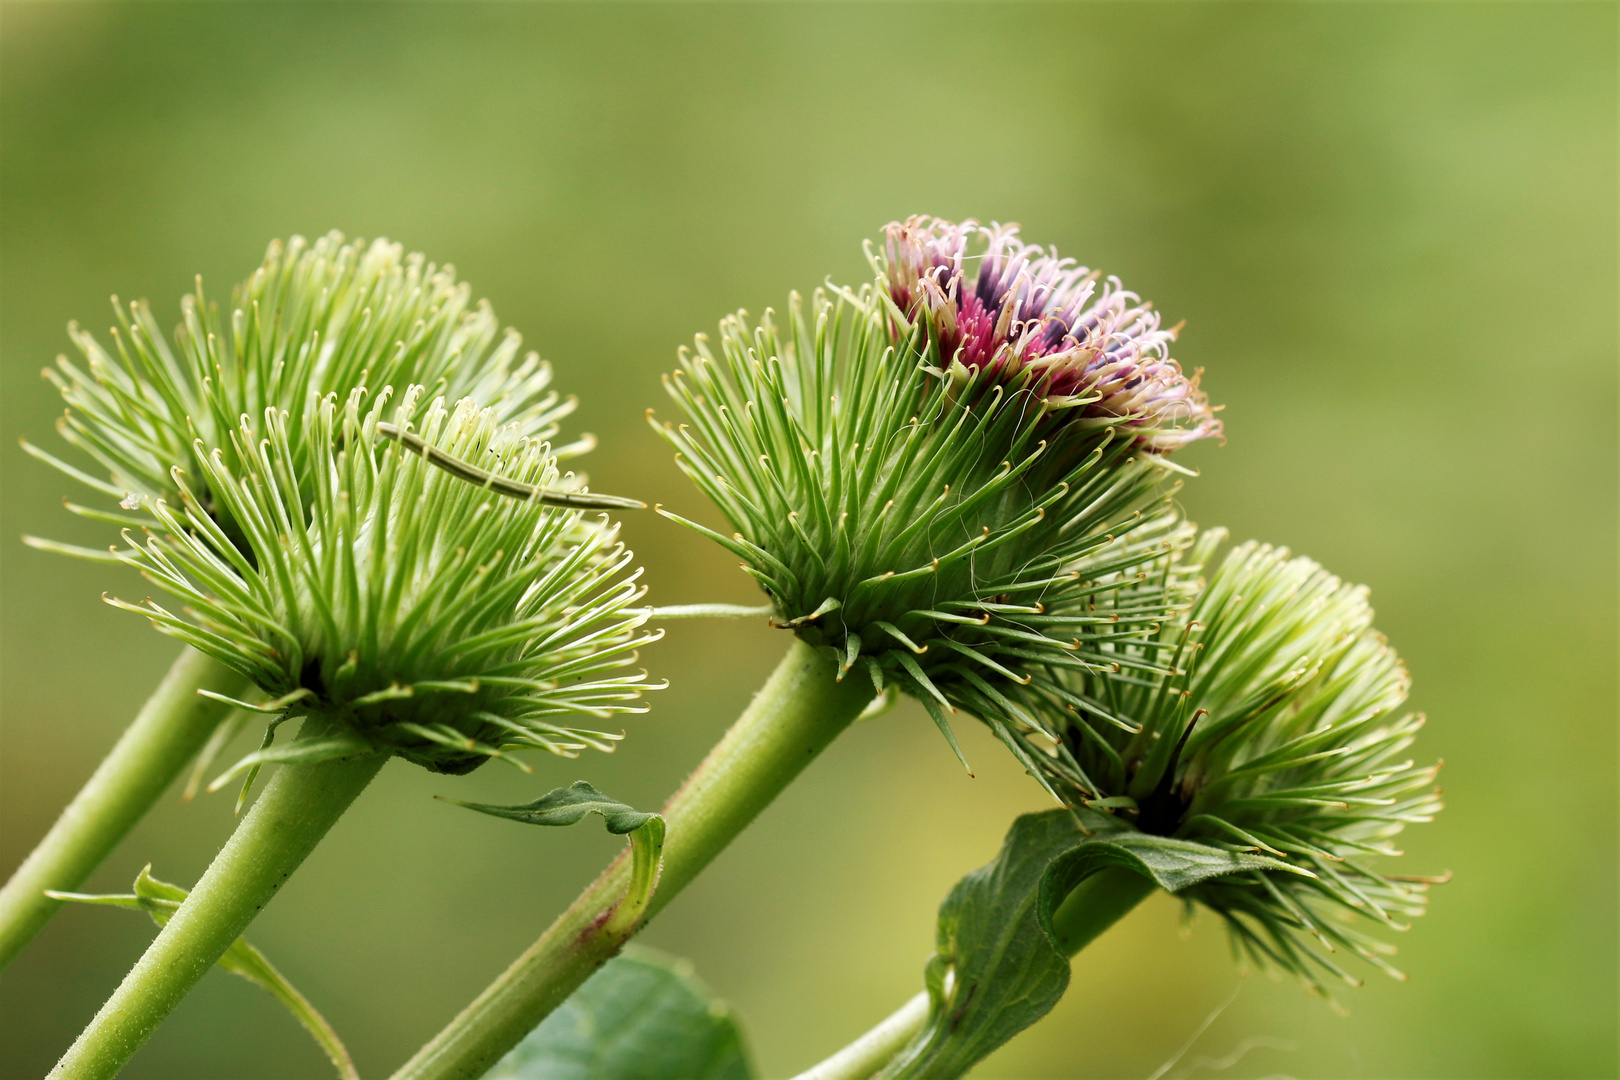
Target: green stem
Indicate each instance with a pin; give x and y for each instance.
(297, 808)
(869, 1053)
(1091, 907)
(1097, 903)
(798, 712)
(170, 729)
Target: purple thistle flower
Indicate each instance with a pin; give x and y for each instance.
(1023, 315)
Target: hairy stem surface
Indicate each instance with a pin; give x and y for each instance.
(1091, 907)
(170, 729)
(298, 807)
(798, 712)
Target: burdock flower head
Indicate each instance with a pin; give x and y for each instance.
(939, 519)
(348, 578)
(407, 609)
(1018, 314)
(314, 319)
(1276, 732)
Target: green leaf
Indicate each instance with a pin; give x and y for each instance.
(642, 1017)
(565, 806)
(161, 900)
(1000, 966)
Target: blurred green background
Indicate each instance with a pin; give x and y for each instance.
(1391, 228)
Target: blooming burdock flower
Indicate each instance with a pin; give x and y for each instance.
(934, 485)
(1025, 317)
(1276, 732)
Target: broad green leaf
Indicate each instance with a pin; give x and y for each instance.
(565, 806)
(161, 900)
(642, 1017)
(999, 966)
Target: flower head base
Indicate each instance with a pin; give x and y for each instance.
(951, 542)
(411, 610)
(1274, 733)
(1027, 318)
(314, 319)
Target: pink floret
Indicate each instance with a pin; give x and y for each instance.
(1019, 313)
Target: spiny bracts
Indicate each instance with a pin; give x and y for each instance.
(410, 610)
(1276, 731)
(313, 319)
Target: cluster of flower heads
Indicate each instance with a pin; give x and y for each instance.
(411, 610)
(314, 319)
(992, 303)
(1274, 729)
(951, 480)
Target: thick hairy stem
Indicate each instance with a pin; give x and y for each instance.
(798, 712)
(1093, 906)
(171, 728)
(297, 808)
